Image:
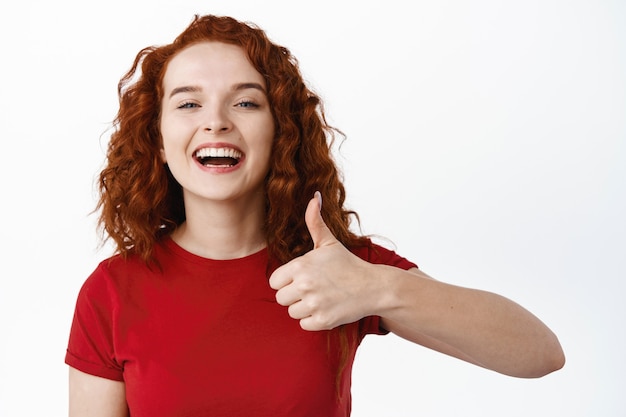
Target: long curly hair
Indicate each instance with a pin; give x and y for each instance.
(140, 201)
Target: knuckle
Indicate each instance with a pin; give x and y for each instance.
(298, 266)
(324, 321)
(314, 303)
(306, 284)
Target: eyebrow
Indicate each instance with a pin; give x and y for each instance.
(185, 89)
(236, 87)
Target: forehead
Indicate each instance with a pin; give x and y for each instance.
(211, 61)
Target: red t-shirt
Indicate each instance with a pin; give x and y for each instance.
(201, 337)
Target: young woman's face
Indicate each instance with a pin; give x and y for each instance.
(216, 123)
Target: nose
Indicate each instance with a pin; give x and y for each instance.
(216, 120)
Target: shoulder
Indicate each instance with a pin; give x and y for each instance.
(119, 266)
(116, 267)
(117, 272)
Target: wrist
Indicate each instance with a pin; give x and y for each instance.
(386, 290)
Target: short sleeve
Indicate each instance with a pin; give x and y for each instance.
(91, 342)
(377, 254)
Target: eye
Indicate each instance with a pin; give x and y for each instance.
(247, 104)
(187, 105)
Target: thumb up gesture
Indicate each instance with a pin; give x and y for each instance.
(328, 286)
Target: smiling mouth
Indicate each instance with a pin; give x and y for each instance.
(222, 157)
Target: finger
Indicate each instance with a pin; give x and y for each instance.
(299, 310)
(281, 277)
(312, 324)
(288, 295)
(318, 230)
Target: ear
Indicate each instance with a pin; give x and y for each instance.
(163, 158)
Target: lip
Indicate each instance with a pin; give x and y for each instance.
(219, 169)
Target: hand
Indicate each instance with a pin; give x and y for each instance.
(326, 287)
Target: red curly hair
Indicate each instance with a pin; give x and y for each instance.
(140, 201)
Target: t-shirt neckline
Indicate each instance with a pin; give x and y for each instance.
(171, 246)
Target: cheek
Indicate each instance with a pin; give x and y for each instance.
(169, 141)
(164, 145)
(269, 145)
(260, 136)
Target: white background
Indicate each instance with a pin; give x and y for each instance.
(485, 139)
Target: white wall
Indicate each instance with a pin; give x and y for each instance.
(486, 139)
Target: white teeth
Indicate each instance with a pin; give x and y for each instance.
(218, 153)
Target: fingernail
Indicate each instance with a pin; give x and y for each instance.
(318, 195)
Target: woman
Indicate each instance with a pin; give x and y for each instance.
(239, 288)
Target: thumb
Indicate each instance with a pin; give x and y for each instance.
(321, 234)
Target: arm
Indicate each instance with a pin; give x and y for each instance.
(477, 326)
(330, 286)
(92, 396)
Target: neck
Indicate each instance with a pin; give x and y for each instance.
(222, 230)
